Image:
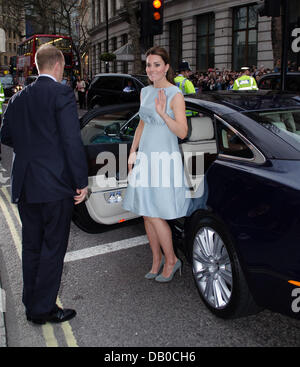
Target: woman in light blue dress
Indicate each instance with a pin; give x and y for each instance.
(156, 186)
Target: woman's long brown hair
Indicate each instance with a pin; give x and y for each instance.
(160, 51)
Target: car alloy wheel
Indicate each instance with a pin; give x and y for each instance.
(212, 268)
(217, 270)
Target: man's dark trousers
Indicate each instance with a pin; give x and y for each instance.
(45, 231)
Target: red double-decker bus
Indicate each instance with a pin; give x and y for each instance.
(27, 49)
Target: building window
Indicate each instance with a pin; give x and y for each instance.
(114, 47)
(113, 8)
(175, 43)
(98, 12)
(244, 42)
(294, 22)
(98, 58)
(124, 40)
(93, 13)
(205, 41)
(94, 60)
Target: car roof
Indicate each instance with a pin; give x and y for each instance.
(289, 73)
(117, 74)
(224, 102)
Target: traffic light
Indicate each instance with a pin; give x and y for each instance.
(152, 13)
(269, 8)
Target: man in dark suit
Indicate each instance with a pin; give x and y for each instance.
(49, 172)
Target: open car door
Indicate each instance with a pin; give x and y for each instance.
(107, 134)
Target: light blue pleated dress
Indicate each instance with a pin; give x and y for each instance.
(156, 185)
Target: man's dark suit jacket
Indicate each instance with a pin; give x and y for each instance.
(41, 125)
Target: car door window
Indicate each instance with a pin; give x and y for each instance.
(129, 85)
(116, 83)
(265, 84)
(230, 144)
(103, 128)
(109, 83)
(293, 83)
(129, 129)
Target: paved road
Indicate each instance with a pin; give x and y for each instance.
(116, 306)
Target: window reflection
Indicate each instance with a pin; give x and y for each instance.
(244, 37)
(205, 41)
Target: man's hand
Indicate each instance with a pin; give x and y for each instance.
(82, 193)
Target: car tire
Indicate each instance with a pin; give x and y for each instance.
(83, 220)
(217, 271)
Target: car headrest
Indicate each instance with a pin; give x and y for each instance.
(202, 129)
(280, 125)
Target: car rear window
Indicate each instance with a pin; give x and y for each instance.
(109, 83)
(284, 123)
(142, 78)
(273, 83)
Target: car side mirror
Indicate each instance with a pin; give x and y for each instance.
(112, 130)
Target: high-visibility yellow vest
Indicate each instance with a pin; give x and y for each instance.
(245, 82)
(187, 87)
(184, 84)
(2, 97)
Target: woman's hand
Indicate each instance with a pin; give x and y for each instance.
(131, 161)
(161, 102)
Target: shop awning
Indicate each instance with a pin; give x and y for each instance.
(125, 53)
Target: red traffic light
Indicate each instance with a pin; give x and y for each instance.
(157, 4)
(156, 15)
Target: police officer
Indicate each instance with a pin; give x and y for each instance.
(182, 81)
(2, 99)
(245, 82)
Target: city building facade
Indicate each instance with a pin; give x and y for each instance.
(223, 34)
(12, 39)
(13, 24)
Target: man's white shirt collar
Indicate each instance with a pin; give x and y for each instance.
(49, 76)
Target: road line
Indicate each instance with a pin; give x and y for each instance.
(11, 227)
(106, 248)
(47, 329)
(67, 329)
(13, 206)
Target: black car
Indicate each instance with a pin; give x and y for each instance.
(242, 230)
(9, 85)
(272, 82)
(107, 89)
(30, 79)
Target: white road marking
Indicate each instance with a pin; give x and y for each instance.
(106, 248)
(3, 179)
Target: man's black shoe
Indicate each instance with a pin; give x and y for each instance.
(59, 315)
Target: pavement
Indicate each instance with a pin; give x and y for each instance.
(2, 309)
(2, 305)
(2, 320)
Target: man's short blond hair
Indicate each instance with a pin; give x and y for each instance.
(47, 56)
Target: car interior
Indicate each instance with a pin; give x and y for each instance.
(199, 151)
(286, 121)
(202, 140)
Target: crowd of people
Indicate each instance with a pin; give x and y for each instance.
(216, 79)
